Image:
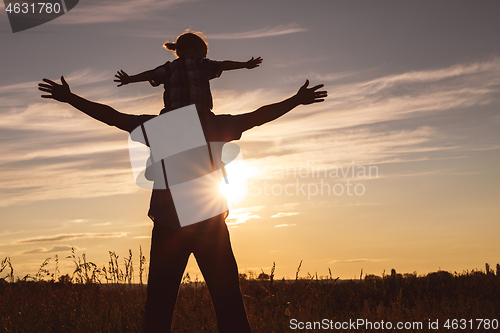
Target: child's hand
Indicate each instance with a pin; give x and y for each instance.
(59, 92)
(123, 78)
(310, 95)
(252, 63)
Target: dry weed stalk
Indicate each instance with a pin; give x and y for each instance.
(6, 263)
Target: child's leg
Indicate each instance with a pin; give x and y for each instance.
(169, 255)
(215, 258)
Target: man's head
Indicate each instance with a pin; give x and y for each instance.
(189, 43)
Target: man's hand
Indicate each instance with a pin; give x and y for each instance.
(310, 95)
(123, 78)
(252, 63)
(59, 92)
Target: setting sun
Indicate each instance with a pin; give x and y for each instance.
(234, 186)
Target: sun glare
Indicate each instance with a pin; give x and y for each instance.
(235, 189)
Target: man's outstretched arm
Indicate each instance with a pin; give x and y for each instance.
(271, 112)
(101, 112)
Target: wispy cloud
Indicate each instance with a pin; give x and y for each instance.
(79, 221)
(349, 261)
(286, 206)
(392, 97)
(57, 248)
(283, 63)
(65, 237)
(252, 208)
(256, 33)
(239, 216)
(438, 75)
(79, 77)
(52, 151)
(103, 11)
(259, 33)
(354, 123)
(284, 225)
(48, 144)
(237, 102)
(313, 156)
(284, 214)
(46, 180)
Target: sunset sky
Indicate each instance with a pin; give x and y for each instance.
(414, 98)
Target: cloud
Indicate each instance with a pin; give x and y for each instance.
(392, 97)
(253, 208)
(57, 248)
(313, 156)
(355, 76)
(286, 206)
(284, 214)
(259, 33)
(356, 121)
(466, 71)
(63, 180)
(103, 224)
(79, 221)
(80, 77)
(239, 216)
(51, 151)
(284, 225)
(238, 102)
(104, 11)
(349, 261)
(65, 237)
(297, 63)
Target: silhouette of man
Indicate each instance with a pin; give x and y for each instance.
(208, 240)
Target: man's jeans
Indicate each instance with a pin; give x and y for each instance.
(170, 250)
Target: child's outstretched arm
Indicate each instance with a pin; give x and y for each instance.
(101, 112)
(229, 65)
(271, 112)
(123, 78)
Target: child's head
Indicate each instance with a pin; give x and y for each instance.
(189, 43)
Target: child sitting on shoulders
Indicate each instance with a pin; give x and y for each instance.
(186, 79)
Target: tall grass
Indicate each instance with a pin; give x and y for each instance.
(105, 298)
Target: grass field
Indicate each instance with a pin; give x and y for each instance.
(91, 300)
